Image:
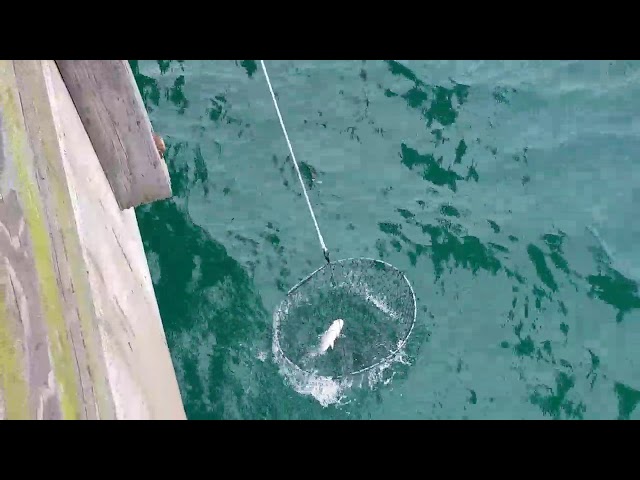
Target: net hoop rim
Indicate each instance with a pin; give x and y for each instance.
(401, 344)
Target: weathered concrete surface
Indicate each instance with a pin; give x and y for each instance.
(80, 332)
(113, 114)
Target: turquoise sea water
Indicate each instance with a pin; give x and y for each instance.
(506, 191)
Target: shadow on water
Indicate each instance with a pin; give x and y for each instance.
(218, 328)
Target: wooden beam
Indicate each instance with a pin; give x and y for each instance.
(113, 114)
(42, 305)
(141, 376)
(80, 331)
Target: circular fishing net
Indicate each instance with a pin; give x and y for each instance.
(375, 301)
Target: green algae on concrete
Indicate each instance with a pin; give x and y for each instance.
(17, 146)
(13, 388)
(47, 134)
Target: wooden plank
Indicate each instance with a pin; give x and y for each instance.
(109, 103)
(80, 331)
(140, 370)
(35, 336)
(25, 366)
(68, 303)
(14, 393)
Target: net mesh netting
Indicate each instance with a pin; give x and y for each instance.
(374, 299)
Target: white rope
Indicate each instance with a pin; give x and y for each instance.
(295, 163)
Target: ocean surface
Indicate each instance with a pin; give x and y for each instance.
(506, 191)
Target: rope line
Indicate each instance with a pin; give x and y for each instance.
(325, 251)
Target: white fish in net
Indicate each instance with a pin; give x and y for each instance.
(327, 339)
(376, 297)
